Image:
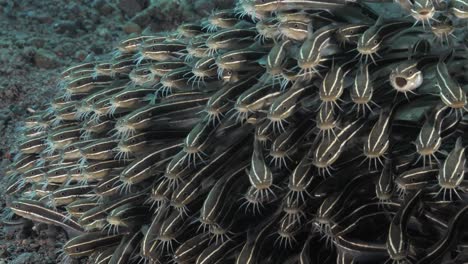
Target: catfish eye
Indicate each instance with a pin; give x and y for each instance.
(124, 97)
(138, 118)
(231, 58)
(296, 26)
(375, 41)
(410, 72)
(93, 149)
(351, 31)
(62, 193)
(80, 209)
(108, 186)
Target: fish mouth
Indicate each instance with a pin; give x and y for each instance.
(361, 100)
(274, 71)
(401, 82)
(384, 196)
(458, 104)
(326, 125)
(217, 230)
(166, 84)
(291, 35)
(242, 109)
(158, 198)
(113, 220)
(320, 164)
(284, 234)
(373, 154)
(426, 151)
(328, 98)
(262, 138)
(296, 188)
(367, 50)
(173, 177)
(166, 238)
(199, 73)
(447, 184)
(211, 45)
(277, 154)
(177, 204)
(308, 64)
(424, 12)
(212, 112)
(275, 118)
(205, 221)
(122, 148)
(191, 150)
(124, 127)
(321, 220)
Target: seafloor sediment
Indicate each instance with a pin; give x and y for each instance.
(270, 132)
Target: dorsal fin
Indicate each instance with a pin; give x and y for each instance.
(310, 30)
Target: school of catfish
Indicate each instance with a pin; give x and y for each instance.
(278, 131)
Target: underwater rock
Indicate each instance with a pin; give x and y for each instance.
(130, 7)
(24, 258)
(45, 59)
(103, 7)
(131, 27)
(66, 26)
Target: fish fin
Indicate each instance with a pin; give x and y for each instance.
(443, 152)
(422, 46)
(262, 61)
(459, 143)
(310, 30)
(380, 21)
(144, 229)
